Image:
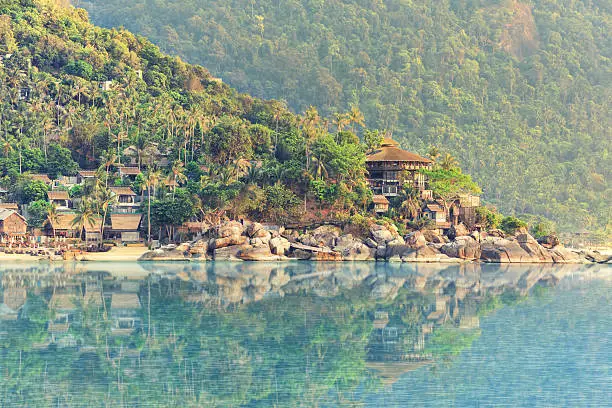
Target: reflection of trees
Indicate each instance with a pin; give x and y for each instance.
(191, 350)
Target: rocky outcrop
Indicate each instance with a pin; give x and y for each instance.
(381, 235)
(279, 246)
(433, 237)
(166, 254)
(416, 240)
(353, 249)
(458, 230)
(259, 253)
(523, 249)
(560, 254)
(464, 247)
(229, 253)
(549, 241)
(223, 242)
(199, 248)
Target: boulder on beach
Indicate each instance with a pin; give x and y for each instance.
(169, 254)
(259, 253)
(230, 229)
(229, 253)
(464, 247)
(279, 246)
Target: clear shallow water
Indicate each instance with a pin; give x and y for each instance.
(305, 334)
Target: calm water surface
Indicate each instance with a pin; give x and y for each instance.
(305, 334)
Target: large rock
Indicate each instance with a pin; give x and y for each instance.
(464, 247)
(531, 246)
(259, 253)
(164, 255)
(425, 254)
(433, 236)
(501, 250)
(326, 235)
(381, 235)
(356, 251)
(496, 233)
(560, 254)
(279, 246)
(230, 229)
(199, 248)
(229, 253)
(256, 230)
(416, 240)
(458, 230)
(549, 241)
(229, 241)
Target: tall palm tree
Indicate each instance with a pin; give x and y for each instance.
(85, 215)
(178, 174)
(340, 121)
(411, 207)
(448, 162)
(52, 218)
(356, 117)
(151, 180)
(106, 199)
(107, 161)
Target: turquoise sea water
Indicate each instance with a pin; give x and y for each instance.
(305, 334)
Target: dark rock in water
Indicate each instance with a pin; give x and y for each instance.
(464, 247)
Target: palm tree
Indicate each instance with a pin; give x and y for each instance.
(106, 198)
(319, 169)
(151, 179)
(84, 216)
(434, 153)
(178, 174)
(448, 162)
(107, 161)
(52, 218)
(340, 121)
(356, 117)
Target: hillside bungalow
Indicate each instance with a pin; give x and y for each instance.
(381, 204)
(125, 227)
(126, 200)
(85, 175)
(129, 173)
(63, 226)
(436, 213)
(42, 177)
(12, 224)
(60, 199)
(389, 167)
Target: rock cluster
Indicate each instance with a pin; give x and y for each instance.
(252, 241)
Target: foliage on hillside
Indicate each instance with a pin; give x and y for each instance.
(519, 91)
(74, 94)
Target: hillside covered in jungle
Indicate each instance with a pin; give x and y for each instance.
(518, 91)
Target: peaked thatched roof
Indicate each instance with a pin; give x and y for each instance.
(125, 222)
(58, 195)
(5, 213)
(379, 199)
(65, 222)
(389, 151)
(123, 191)
(87, 173)
(129, 171)
(41, 177)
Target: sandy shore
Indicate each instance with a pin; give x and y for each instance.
(116, 254)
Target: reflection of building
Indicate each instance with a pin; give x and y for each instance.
(389, 167)
(125, 308)
(13, 300)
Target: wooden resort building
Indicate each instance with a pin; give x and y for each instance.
(60, 199)
(9, 206)
(389, 167)
(42, 177)
(126, 200)
(125, 227)
(381, 204)
(63, 226)
(85, 175)
(12, 224)
(128, 172)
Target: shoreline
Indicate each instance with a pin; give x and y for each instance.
(133, 255)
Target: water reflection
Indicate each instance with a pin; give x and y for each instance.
(290, 334)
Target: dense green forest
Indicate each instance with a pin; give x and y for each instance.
(73, 96)
(518, 91)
